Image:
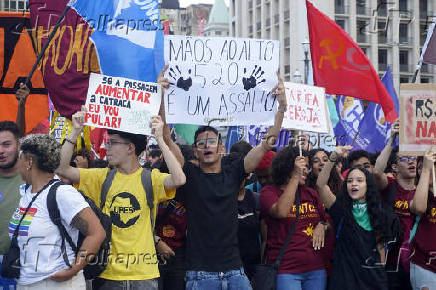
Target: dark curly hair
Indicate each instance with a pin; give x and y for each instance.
(375, 211)
(356, 155)
(335, 180)
(283, 164)
(11, 127)
(44, 149)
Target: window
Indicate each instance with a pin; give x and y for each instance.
(361, 7)
(403, 5)
(361, 31)
(404, 35)
(404, 61)
(217, 32)
(341, 23)
(382, 8)
(339, 7)
(425, 80)
(382, 59)
(423, 9)
(404, 79)
(382, 31)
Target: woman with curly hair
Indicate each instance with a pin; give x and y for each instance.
(317, 159)
(362, 228)
(302, 266)
(37, 236)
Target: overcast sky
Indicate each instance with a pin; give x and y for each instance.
(185, 3)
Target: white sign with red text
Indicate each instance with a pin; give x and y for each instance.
(307, 108)
(121, 104)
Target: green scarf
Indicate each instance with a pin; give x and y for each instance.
(361, 216)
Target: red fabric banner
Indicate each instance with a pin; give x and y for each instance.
(340, 66)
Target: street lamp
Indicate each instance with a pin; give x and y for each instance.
(297, 77)
(306, 48)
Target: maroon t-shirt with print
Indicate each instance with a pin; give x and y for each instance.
(299, 255)
(424, 243)
(407, 219)
(173, 229)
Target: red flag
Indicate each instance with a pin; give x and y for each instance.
(340, 65)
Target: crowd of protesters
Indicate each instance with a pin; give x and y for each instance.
(207, 218)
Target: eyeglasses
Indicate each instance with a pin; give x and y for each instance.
(110, 143)
(407, 158)
(201, 143)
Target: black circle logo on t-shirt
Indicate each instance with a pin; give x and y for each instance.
(124, 210)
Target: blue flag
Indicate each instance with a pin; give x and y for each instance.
(234, 134)
(374, 129)
(350, 113)
(128, 36)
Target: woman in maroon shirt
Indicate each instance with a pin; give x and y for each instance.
(423, 264)
(302, 266)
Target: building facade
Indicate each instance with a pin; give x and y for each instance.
(390, 32)
(218, 24)
(13, 5)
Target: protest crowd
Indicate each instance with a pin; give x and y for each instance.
(172, 216)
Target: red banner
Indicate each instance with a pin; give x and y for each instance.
(340, 65)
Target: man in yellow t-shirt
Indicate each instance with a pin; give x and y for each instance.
(133, 259)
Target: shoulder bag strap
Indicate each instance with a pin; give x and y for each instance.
(106, 185)
(291, 231)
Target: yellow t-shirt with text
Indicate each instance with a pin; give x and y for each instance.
(133, 254)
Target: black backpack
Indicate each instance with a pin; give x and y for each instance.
(99, 262)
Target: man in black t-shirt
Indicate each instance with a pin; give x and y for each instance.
(210, 197)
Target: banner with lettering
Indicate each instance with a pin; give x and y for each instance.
(418, 118)
(17, 55)
(307, 108)
(121, 104)
(221, 79)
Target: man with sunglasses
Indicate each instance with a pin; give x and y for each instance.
(403, 187)
(210, 197)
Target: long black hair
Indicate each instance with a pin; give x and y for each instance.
(375, 211)
(335, 179)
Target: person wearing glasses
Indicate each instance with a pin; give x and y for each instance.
(303, 265)
(398, 193)
(133, 261)
(211, 199)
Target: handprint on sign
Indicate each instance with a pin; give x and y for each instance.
(180, 82)
(252, 81)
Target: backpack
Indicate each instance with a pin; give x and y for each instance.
(99, 262)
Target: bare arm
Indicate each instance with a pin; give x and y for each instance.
(177, 177)
(65, 169)
(325, 193)
(418, 205)
(256, 154)
(166, 130)
(282, 207)
(382, 160)
(88, 224)
(22, 94)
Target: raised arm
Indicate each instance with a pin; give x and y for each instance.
(21, 95)
(283, 206)
(382, 160)
(164, 83)
(325, 193)
(256, 154)
(88, 224)
(65, 169)
(177, 177)
(418, 205)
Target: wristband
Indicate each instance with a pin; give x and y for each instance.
(69, 141)
(282, 110)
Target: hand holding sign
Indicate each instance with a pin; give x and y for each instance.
(339, 152)
(78, 119)
(429, 159)
(162, 80)
(279, 91)
(395, 129)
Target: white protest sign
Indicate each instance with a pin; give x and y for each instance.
(121, 104)
(307, 108)
(221, 79)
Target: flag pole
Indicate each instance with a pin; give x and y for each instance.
(418, 68)
(44, 48)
